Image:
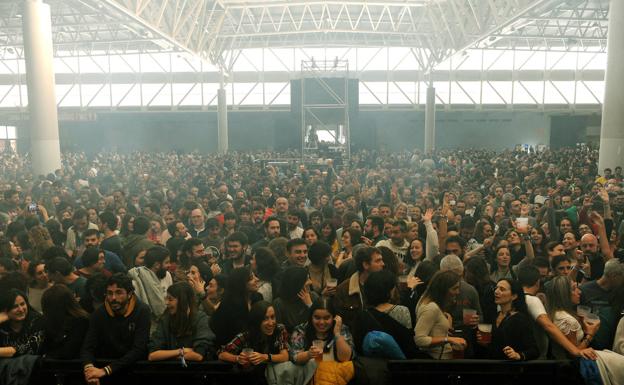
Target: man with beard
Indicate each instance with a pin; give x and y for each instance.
(271, 231)
(119, 330)
(152, 280)
(294, 230)
(397, 242)
(235, 252)
(373, 230)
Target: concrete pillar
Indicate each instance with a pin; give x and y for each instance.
(612, 130)
(222, 121)
(430, 120)
(45, 148)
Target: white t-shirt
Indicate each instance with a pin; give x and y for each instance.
(535, 306)
(567, 324)
(536, 309)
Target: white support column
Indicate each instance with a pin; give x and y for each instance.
(45, 148)
(612, 131)
(430, 111)
(222, 122)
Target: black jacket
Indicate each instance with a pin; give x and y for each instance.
(121, 338)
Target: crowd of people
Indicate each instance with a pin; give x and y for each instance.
(296, 272)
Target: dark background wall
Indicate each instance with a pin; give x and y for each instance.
(392, 130)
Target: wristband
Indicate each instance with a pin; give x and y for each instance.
(108, 370)
(270, 359)
(445, 340)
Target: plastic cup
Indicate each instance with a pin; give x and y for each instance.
(591, 318)
(486, 332)
(522, 223)
(468, 315)
(458, 352)
(582, 310)
(320, 345)
(332, 282)
(247, 352)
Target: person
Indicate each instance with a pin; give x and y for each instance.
(65, 323)
(310, 235)
(152, 280)
(118, 331)
(265, 265)
(468, 298)
(338, 352)
(92, 263)
(349, 298)
(39, 283)
(329, 236)
(296, 297)
(236, 252)
(267, 339)
(214, 293)
(61, 271)
(543, 327)
(296, 253)
(112, 262)
(431, 333)
(476, 274)
(502, 268)
(74, 244)
(183, 330)
(596, 294)
(136, 241)
(381, 315)
(563, 295)
(111, 241)
(321, 271)
(21, 327)
(350, 238)
(512, 334)
(232, 315)
(397, 242)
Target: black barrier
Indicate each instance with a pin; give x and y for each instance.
(481, 372)
(421, 372)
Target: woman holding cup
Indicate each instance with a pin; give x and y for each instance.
(431, 333)
(512, 333)
(264, 342)
(325, 341)
(579, 326)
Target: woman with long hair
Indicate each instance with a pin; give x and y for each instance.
(266, 339)
(310, 235)
(231, 316)
(323, 324)
(477, 274)
(21, 329)
(350, 238)
(183, 330)
(431, 332)
(265, 265)
(564, 296)
(40, 241)
(65, 323)
(382, 315)
(512, 331)
(502, 267)
(296, 297)
(39, 283)
(328, 235)
(321, 271)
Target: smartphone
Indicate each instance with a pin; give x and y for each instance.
(33, 207)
